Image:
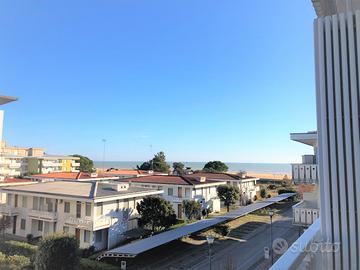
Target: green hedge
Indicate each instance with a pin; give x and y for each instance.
(87, 264)
(14, 262)
(17, 248)
(284, 190)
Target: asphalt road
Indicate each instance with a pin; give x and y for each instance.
(250, 254)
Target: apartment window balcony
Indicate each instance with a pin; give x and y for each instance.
(85, 223)
(14, 165)
(8, 210)
(51, 164)
(43, 215)
(304, 214)
(75, 164)
(304, 253)
(305, 173)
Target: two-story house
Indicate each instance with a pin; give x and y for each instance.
(97, 213)
(246, 184)
(179, 188)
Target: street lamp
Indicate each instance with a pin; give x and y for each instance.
(210, 240)
(271, 213)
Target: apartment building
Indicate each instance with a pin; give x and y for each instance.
(307, 171)
(305, 175)
(97, 213)
(14, 165)
(333, 240)
(176, 189)
(246, 185)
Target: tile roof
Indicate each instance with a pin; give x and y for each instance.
(14, 180)
(70, 175)
(127, 172)
(221, 176)
(188, 180)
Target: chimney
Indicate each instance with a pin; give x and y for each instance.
(202, 179)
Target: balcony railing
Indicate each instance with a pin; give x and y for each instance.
(14, 165)
(8, 210)
(81, 223)
(303, 215)
(304, 253)
(305, 173)
(43, 215)
(75, 164)
(173, 199)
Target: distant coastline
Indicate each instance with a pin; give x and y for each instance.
(262, 168)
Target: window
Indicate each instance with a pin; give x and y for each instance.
(24, 202)
(126, 203)
(78, 209)
(16, 200)
(99, 209)
(86, 236)
(98, 236)
(170, 191)
(35, 203)
(66, 207)
(65, 229)
(22, 224)
(187, 193)
(40, 225)
(88, 209)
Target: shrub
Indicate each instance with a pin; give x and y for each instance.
(87, 252)
(262, 193)
(17, 248)
(29, 237)
(57, 252)
(222, 229)
(272, 186)
(15, 262)
(87, 264)
(286, 190)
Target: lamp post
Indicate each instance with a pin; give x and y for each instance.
(210, 240)
(271, 213)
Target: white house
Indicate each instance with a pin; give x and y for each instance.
(179, 188)
(97, 213)
(247, 185)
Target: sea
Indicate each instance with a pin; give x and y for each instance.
(273, 168)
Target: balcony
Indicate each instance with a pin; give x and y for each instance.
(305, 252)
(43, 215)
(8, 210)
(75, 164)
(80, 223)
(14, 165)
(305, 213)
(305, 173)
(173, 199)
(51, 164)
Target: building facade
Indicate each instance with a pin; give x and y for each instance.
(337, 65)
(177, 189)
(246, 185)
(98, 214)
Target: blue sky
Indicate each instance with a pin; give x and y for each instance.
(200, 80)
